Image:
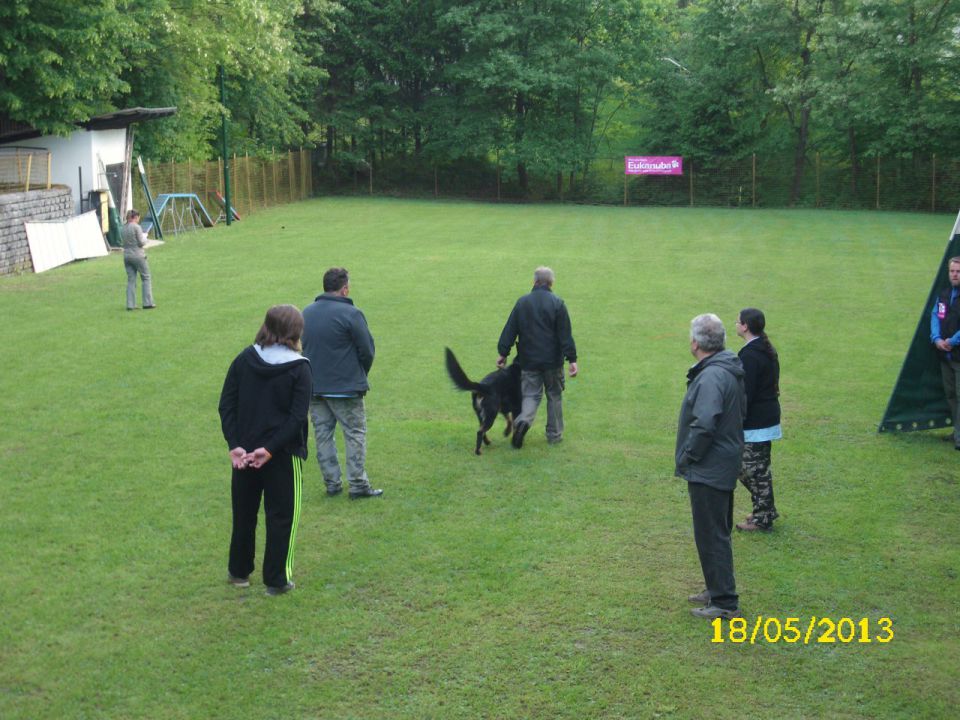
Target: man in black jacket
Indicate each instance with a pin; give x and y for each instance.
(541, 322)
(708, 452)
(945, 336)
(338, 343)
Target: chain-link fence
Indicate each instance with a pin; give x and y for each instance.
(24, 168)
(907, 184)
(255, 182)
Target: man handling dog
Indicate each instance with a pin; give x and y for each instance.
(540, 320)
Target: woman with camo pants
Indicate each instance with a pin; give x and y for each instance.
(762, 424)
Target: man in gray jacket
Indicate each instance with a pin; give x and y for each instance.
(708, 457)
(338, 344)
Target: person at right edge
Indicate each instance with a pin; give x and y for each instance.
(540, 320)
(708, 453)
(945, 336)
(762, 423)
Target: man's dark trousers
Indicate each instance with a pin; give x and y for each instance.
(712, 523)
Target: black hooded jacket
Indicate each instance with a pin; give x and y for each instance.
(264, 405)
(762, 382)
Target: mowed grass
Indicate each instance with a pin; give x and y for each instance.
(544, 583)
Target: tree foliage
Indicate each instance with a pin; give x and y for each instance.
(540, 86)
(59, 62)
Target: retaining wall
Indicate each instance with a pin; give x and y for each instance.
(17, 208)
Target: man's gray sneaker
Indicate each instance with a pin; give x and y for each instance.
(701, 598)
(711, 612)
(238, 582)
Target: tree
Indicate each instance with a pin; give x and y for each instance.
(60, 62)
(175, 59)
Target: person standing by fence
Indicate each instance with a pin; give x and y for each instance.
(135, 262)
(945, 336)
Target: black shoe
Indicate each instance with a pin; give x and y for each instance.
(240, 582)
(280, 590)
(519, 430)
(149, 307)
(334, 491)
(368, 493)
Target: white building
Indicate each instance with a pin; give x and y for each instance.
(75, 159)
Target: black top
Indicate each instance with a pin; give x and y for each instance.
(541, 321)
(264, 405)
(762, 383)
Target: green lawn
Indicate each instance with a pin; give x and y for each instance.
(545, 583)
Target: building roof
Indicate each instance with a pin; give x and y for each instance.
(11, 131)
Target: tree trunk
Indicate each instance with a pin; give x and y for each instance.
(854, 161)
(520, 110)
(799, 157)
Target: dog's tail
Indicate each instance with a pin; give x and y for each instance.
(458, 376)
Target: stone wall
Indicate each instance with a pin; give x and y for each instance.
(17, 208)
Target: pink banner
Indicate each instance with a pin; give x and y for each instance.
(647, 165)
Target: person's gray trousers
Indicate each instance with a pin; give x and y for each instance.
(533, 383)
(326, 412)
(137, 264)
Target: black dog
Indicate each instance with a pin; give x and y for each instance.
(498, 392)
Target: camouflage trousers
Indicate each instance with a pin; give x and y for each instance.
(756, 477)
(326, 412)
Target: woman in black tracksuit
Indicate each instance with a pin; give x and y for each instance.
(263, 413)
(762, 424)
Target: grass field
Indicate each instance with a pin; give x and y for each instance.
(543, 583)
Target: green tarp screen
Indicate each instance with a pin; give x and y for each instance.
(917, 401)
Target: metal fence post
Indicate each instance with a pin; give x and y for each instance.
(818, 180)
(246, 177)
(933, 186)
(263, 172)
(878, 182)
(273, 174)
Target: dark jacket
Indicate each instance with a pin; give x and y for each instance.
(264, 405)
(762, 383)
(541, 321)
(338, 343)
(710, 430)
